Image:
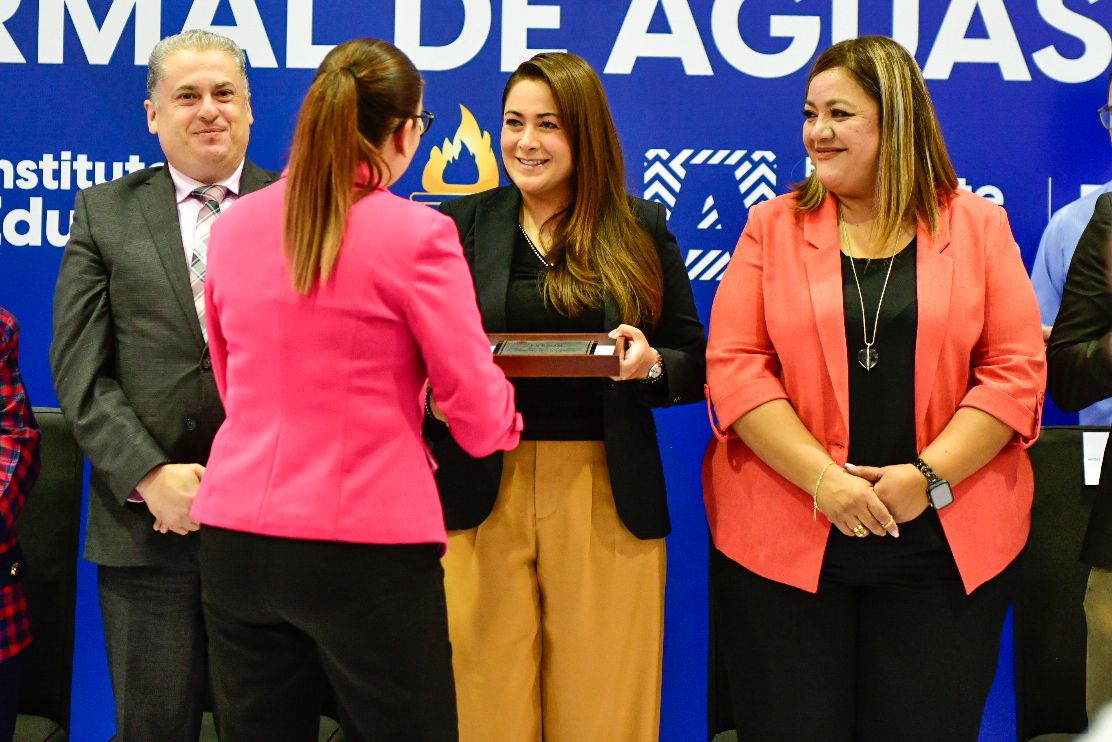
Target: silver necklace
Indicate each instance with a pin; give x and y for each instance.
(536, 252)
(868, 356)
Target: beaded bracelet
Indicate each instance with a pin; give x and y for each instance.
(815, 494)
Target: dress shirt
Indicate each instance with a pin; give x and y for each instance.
(189, 207)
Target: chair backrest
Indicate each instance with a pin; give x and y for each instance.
(1049, 609)
(49, 528)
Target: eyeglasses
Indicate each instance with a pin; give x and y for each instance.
(1106, 117)
(424, 119)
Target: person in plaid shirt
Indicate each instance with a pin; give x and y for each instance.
(19, 466)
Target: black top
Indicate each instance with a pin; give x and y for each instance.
(882, 401)
(553, 409)
(882, 426)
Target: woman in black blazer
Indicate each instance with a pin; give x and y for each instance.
(556, 562)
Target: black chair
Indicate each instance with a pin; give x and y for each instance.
(49, 528)
(1049, 610)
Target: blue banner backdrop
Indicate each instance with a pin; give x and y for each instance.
(707, 97)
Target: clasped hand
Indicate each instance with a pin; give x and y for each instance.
(168, 491)
(901, 487)
(851, 501)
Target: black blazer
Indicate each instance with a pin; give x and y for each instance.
(1079, 371)
(130, 365)
(487, 224)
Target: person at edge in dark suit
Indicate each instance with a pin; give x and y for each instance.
(556, 560)
(132, 369)
(1079, 373)
(331, 300)
(19, 467)
(877, 367)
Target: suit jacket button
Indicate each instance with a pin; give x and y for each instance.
(206, 363)
(15, 569)
(190, 424)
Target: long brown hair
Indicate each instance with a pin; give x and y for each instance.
(364, 91)
(914, 175)
(598, 246)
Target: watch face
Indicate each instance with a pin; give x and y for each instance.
(940, 494)
(654, 371)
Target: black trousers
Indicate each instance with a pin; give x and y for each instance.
(371, 617)
(155, 636)
(875, 662)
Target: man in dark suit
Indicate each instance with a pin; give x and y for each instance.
(132, 371)
(1079, 373)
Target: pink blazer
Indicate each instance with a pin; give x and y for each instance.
(323, 391)
(777, 331)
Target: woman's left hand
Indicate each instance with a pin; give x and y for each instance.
(636, 355)
(901, 487)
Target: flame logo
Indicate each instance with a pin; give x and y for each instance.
(469, 138)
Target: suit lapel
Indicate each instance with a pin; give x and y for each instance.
(934, 282)
(253, 178)
(824, 280)
(158, 204)
(495, 233)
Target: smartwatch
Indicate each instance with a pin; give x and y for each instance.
(939, 492)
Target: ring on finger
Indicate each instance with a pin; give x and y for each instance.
(890, 523)
(860, 531)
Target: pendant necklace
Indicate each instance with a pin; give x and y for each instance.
(868, 356)
(536, 252)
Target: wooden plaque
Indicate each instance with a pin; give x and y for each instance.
(555, 355)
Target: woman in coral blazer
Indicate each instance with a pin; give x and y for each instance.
(876, 365)
(329, 302)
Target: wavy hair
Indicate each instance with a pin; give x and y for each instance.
(598, 245)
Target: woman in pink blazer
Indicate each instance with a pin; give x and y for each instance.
(876, 366)
(330, 301)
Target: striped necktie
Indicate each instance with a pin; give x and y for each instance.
(210, 197)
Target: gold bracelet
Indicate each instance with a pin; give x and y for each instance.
(815, 494)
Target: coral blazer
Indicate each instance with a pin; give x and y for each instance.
(322, 391)
(777, 331)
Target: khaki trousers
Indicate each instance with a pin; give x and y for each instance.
(555, 610)
(1098, 617)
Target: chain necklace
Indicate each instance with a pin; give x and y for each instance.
(868, 356)
(538, 253)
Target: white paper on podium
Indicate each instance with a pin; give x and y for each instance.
(604, 350)
(1092, 454)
